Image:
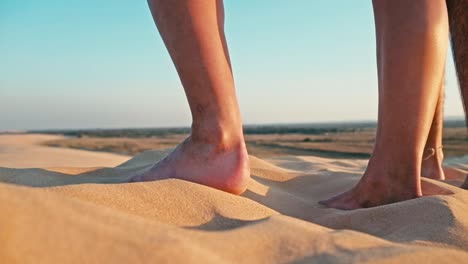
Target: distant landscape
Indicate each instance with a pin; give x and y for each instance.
(333, 140)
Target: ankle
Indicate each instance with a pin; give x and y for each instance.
(399, 171)
(431, 166)
(396, 163)
(433, 154)
(225, 137)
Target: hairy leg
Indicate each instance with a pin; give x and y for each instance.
(412, 40)
(214, 154)
(433, 156)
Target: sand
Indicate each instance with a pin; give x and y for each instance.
(26, 151)
(67, 215)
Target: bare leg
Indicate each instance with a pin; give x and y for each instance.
(458, 21)
(412, 39)
(433, 156)
(214, 154)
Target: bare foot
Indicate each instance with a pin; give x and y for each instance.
(215, 165)
(375, 189)
(431, 166)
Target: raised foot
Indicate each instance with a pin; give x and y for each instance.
(214, 165)
(370, 193)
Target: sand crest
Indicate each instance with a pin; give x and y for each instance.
(68, 215)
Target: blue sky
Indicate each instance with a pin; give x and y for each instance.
(102, 64)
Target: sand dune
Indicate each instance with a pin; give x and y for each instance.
(74, 218)
(26, 151)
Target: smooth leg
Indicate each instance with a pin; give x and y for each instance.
(412, 39)
(215, 153)
(433, 155)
